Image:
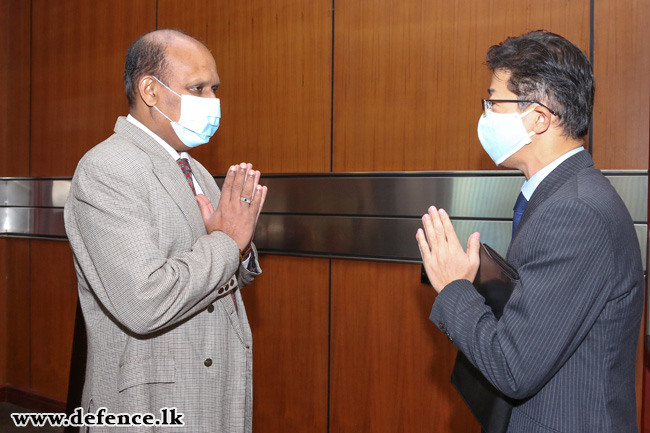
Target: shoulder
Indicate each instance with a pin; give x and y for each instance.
(111, 169)
(585, 210)
(116, 155)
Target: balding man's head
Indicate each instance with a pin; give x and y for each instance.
(148, 56)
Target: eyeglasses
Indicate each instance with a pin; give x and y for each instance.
(487, 103)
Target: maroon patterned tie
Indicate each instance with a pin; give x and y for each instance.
(187, 171)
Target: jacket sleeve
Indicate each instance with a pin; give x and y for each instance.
(248, 273)
(115, 243)
(562, 290)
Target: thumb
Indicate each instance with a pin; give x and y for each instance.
(473, 248)
(205, 206)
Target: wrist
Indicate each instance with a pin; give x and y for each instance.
(243, 255)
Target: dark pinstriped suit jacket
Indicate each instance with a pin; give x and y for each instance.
(566, 343)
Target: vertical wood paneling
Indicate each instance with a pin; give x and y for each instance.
(274, 62)
(408, 76)
(390, 365)
(4, 320)
(52, 314)
(621, 65)
(287, 308)
(14, 161)
(77, 75)
(18, 313)
(14, 82)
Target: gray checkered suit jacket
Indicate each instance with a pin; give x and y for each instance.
(566, 343)
(155, 289)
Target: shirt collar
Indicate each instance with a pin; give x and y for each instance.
(531, 184)
(174, 154)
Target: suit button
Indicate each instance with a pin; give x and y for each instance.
(220, 290)
(207, 362)
(210, 308)
(232, 283)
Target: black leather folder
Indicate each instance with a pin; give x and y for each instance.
(495, 281)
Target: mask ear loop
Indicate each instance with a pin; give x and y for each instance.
(158, 109)
(165, 86)
(526, 113)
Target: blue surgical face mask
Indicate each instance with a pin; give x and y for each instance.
(199, 118)
(502, 134)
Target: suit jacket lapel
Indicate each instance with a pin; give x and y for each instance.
(168, 173)
(554, 181)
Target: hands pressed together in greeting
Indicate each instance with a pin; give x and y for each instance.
(442, 255)
(242, 198)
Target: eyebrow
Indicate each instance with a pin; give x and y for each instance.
(203, 83)
(490, 91)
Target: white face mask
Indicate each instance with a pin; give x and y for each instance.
(199, 118)
(502, 134)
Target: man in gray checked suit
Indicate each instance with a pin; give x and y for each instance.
(565, 346)
(159, 268)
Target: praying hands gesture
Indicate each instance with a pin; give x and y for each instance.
(242, 198)
(442, 255)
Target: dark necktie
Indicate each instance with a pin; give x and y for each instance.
(187, 171)
(520, 205)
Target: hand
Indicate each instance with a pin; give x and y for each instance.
(442, 255)
(235, 217)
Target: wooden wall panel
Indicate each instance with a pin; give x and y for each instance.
(288, 309)
(274, 62)
(621, 65)
(77, 75)
(14, 161)
(52, 313)
(18, 303)
(390, 365)
(14, 82)
(409, 75)
(4, 321)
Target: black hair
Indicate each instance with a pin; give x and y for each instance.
(546, 67)
(147, 56)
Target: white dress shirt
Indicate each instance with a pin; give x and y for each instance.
(165, 146)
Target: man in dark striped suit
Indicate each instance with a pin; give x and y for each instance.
(565, 346)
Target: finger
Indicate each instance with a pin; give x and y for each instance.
(427, 223)
(261, 190)
(423, 245)
(473, 249)
(238, 183)
(448, 227)
(251, 182)
(204, 206)
(256, 181)
(256, 203)
(226, 189)
(438, 229)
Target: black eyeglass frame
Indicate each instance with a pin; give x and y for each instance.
(529, 101)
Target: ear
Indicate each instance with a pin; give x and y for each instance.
(542, 118)
(148, 90)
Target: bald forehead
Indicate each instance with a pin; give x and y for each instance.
(182, 51)
(168, 38)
